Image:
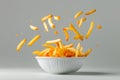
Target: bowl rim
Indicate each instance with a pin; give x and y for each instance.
(37, 57)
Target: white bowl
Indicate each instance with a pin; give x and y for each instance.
(60, 65)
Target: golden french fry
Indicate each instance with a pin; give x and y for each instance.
(33, 27)
(56, 17)
(88, 52)
(77, 50)
(37, 52)
(60, 44)
(53, 41)
(90, 12)
(46, 17)
(69, 46)
(83, 19)
(45, 26)
(43, 51)
(51, 23)
(62, 51)
(21, 44)
(78, 14)
(78, 35)
(34, 40)
(80, 22)
(48, 46)
(81, 52)
(66, 34)
(46, 51)
(55, 52)
(89, 30)
(99, 27)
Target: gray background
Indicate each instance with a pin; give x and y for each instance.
(15, 16)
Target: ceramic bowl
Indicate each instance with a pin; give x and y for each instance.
(60, 65)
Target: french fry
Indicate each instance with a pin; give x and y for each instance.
(34, 40)
(66, 34)
(46, 17)
(99, 27)
(48, 46)
(46, 52)
(77, 50)
(69, 53)
(80, 22)
(62, 51)
(78, 14)
(50, 53)
(51, 23)
(55, 52)
(89, 30)
(60, 44)
(37, 52)
(33, 27)
(90, 12)
(78, 35)
(69, 46)
(83, 19)
(81, 52)
(53, 41)
(88, 52)
(45, 26)
(21, 44)
(56, 17)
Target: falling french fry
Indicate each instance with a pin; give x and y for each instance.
(33, 27)
(51, 23)
(31, 42)
(66, 34)
(45, 26)
(78, 35)
(80, 22)
(46, 17)
(56, 17)
(53, 41)
(90, 12)
(21, 44)
(89, 30)
(78, 14)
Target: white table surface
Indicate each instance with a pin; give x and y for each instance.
(38, 74)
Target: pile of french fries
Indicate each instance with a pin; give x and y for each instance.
(55, 48)
(61, 50)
